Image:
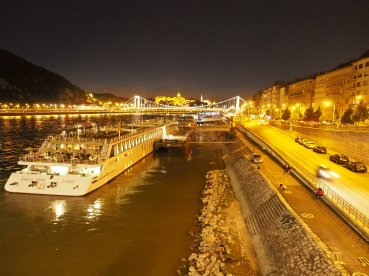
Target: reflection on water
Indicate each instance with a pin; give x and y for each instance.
(58, 206)
(137, 224)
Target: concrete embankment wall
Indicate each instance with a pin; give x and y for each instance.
(283, 243)
(355, 144)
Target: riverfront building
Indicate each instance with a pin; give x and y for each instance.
(301, 96)
(333, 91)
(361, 79)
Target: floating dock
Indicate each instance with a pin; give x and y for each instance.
(174, 141)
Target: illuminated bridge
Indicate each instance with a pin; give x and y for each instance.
(136, 104)
(140, 104)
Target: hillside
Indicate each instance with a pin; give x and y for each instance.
(22, 81)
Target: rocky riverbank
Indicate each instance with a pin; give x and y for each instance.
(221, 244)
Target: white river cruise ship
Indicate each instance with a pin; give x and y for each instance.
(75, 165)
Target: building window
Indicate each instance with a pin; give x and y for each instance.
(360, 66)
(358, 84)
(367, 64)
(365, 83)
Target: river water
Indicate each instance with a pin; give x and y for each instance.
(137, 224)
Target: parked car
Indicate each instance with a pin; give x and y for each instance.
(356, 166)
(256, 158)
(297, 139)
(339, 159)
(309, 145)
(320, 149)
(302, 141)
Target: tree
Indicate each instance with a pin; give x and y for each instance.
(346, 117)
(309, 114)
(361, 113)
(317, 114)
(286, 114)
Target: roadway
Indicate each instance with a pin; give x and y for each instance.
(348, 248)
(353, 187)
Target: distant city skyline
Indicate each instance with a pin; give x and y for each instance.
(152, 48)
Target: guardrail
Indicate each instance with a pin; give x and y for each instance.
(345, 209)
(322, 126)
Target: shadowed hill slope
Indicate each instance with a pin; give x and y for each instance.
(22, 81)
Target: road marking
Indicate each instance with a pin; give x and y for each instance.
(307, 215)
(364, 261)
(337, 257)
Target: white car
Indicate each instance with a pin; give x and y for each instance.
(256, 158)
(326, 173)
(309, 145)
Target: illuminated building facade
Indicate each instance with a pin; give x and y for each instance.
(177, 100)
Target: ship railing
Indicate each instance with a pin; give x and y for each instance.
(72, 160)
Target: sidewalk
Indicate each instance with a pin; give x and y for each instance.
(348, 248)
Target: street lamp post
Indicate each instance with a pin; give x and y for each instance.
(328, 103)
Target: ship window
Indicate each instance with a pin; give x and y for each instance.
(111, 153)
(116, 150)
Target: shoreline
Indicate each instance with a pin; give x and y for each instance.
(223, 246)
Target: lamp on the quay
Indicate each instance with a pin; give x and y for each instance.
(297, 107)
(328, 103)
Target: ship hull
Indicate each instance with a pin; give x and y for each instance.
(79, 183)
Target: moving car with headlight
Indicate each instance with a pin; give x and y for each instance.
(356, 166)
(326, 173)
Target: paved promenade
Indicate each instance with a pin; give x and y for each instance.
(307, 240)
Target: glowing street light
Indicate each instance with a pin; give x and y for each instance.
(358, 99)
(328, 103)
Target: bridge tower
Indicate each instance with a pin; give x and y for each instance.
(136, 102)
(237, 104)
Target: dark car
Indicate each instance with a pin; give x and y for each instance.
(302, 141)
(320, 149)
(297, 139)
(339, 159)
(356, 166)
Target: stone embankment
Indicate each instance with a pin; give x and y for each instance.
(284, 245)
(214, 253)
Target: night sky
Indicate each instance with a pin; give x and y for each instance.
(216, 48)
